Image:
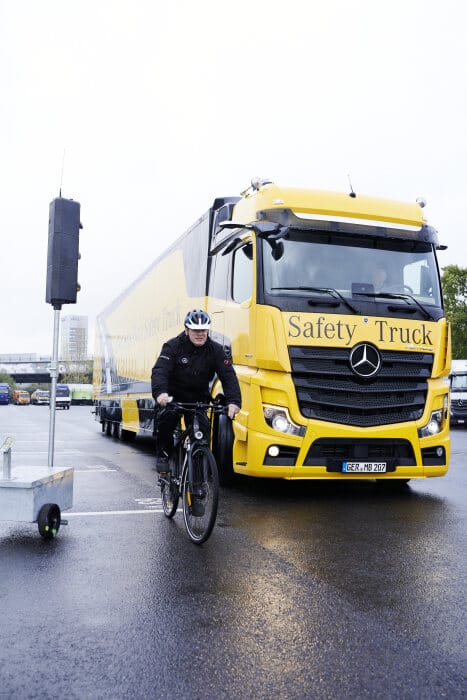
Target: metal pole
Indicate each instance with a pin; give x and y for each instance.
(7, 464)
(6, 448)
(53, 391)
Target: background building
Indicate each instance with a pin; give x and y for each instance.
(74, 338)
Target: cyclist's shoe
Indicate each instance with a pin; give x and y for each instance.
(197, 506)
(162, 463)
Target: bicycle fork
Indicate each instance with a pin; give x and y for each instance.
(194, 479)
(190, 476)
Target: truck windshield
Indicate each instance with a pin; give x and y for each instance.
(63, 391)
(459, 382)
(355, 267)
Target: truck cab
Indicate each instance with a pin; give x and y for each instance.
(40, 397)
(62, 397)
(4, 394)
(21, 398)
(459, 392)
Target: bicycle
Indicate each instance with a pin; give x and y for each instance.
(192, 474)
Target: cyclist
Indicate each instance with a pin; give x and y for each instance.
(184, 370)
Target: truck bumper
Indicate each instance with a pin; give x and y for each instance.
(321, 455)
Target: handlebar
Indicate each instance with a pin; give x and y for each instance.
(196, 406)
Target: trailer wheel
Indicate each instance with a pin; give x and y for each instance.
(108, 428)
(48, 521)
(125, 435)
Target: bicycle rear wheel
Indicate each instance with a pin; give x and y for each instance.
(200, 498)
(170, 483)
(170, 495)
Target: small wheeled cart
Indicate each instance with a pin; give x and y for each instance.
(35, 494)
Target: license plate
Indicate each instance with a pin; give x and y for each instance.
(363, 467)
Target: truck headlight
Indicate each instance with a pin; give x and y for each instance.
(433, 426)
(279, 419)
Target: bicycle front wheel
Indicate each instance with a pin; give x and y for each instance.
(201, 496)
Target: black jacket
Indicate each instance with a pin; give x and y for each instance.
(186, 371)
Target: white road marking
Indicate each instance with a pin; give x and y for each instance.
(97, 468)
(33, 453)
(154, 506)
(148, 501)
(111, 512)
(22, 441)
(87, 470)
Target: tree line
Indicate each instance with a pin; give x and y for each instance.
(454, 280)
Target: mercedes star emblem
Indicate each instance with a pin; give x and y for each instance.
(365, 360)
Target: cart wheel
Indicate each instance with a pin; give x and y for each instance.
(48, 521)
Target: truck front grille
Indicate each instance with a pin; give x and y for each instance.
(328, 390)
(459, 407)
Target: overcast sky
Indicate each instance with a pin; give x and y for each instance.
(145, 111)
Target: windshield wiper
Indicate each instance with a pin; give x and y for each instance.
(389, 295)
(322, 290)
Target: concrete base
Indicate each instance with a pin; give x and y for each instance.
(29, 488)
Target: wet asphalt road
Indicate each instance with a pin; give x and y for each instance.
(305, 590)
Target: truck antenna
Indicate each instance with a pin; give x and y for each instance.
(351, 193)
(61, 175)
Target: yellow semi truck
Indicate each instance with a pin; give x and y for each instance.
(331, 307)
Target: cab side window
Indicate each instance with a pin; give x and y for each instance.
(242, 273)
(219, 276)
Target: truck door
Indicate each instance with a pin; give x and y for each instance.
(230, 298)
(217, 294)
(238, 331)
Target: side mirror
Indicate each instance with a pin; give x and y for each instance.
(277, 249)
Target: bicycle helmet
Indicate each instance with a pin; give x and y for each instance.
(197, 320)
